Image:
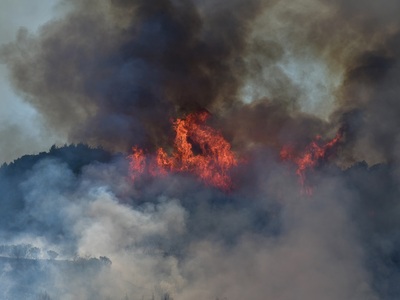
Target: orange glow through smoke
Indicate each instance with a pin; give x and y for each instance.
(309, 158)
(211, 161)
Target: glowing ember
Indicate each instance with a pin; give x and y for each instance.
(211, 161)
(137, 161)
(310, 158)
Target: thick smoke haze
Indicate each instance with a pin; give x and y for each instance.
(273, 73)
(174, 236)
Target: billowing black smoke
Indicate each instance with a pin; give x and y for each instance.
(73, 224)
(115, 74)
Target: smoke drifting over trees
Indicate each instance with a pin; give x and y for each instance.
(114, 74)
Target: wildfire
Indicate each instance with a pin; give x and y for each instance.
(211, 160)
(310, 157)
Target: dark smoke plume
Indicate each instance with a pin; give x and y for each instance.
(116, 73)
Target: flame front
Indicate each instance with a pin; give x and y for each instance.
(309, 158)
(211, 164)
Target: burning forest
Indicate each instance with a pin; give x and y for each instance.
(211, 164)
(203, 150)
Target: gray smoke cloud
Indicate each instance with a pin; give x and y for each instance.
(115, 74)
(272, 73)
(174, 236)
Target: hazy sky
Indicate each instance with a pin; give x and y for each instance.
(21, 128)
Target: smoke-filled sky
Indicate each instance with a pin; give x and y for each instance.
(273, 74)
(102, 73)
(22, 128)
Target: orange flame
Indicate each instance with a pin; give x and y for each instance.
(211, 162)
(310, 158)
(137, 161)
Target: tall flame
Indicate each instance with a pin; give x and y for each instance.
(211, 162)
(310, 157)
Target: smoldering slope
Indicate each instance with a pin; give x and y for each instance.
(272, 73)
(174, 235)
